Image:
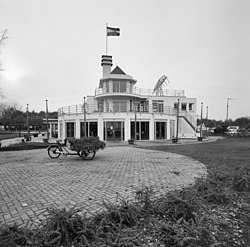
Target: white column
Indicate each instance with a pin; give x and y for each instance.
(127, 127)
(77, 128)
(100, 127)
(168, 129)
(151, 128)
(63, 130)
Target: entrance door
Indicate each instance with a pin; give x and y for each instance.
(160, 130)
(91, 129)
(113, 131)
(142, 130)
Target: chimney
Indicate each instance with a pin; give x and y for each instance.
(106, 65)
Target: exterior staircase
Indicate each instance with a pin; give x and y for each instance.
(189, 119)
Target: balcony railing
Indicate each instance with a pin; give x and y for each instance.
(71, 110)
(140, 108)
(141, 92)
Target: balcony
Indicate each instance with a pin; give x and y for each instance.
(90, 109)
(137, 92)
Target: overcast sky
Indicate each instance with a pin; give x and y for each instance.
(55, 46)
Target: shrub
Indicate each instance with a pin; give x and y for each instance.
(14, 236)
(241, 179)
(86, 143)
(63, 227)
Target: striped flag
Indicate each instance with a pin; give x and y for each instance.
(111, 31)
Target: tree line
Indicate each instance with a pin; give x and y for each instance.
(12, 118)
(221, 126)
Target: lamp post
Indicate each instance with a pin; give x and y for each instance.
(206, 118)
(135, 119)
(47, 120)
(177, 124)
(28, 122)
(200, 139)
(84, 112)
(175, 139)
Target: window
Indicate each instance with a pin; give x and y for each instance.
(100, 105)
(122, 86)
(119, 106)
(190, 106)
(183, 106)
(91, 129)
(82, 129)
(108, 106)
(142, 130)
(119, 86)
(70, 129)
(131, 108)
(130, 87)
(113, 131)
(143, 106)
(176, 106)
(115, 86)
(158, 106)
(154, 106)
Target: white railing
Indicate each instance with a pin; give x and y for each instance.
(142, 92)
(71, 110)
(140, 108)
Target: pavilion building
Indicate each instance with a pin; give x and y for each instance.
(119, 111)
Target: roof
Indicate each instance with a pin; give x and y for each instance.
(118, 71)
(117, 74)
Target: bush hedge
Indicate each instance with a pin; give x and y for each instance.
(24, 146)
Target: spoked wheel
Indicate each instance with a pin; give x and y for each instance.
(54, 152)
(88, 155)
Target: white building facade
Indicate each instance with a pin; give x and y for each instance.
(118, 110)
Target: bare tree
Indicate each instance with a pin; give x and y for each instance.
(3, 37)
(9, 113)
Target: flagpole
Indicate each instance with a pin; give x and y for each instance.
(106, 39)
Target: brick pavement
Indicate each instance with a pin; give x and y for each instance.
(30, 181)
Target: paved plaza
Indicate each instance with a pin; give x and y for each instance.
(30, 181)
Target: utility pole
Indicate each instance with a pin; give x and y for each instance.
(84, 112)
(206, 117)
(227, 109)
(135, 119)
(47, 120)
(201, 121)
(28, 122)
(177, 124)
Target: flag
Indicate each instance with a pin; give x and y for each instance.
(111, 31)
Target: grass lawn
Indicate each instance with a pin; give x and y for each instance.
(4, 136)
(25, 146)
(231, 151)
